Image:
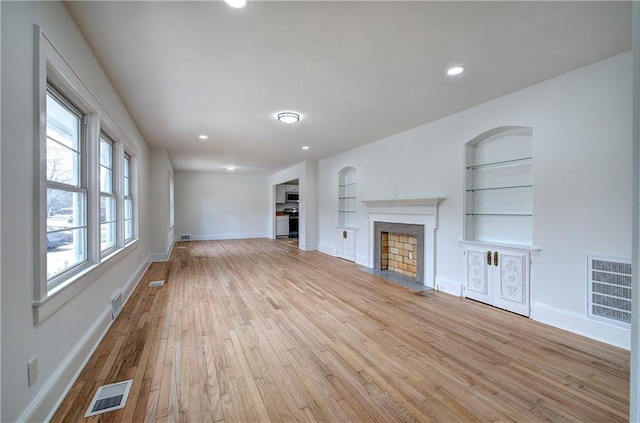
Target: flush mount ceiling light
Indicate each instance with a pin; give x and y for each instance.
(456, 70)
(305, 147)
(236, 3)
(203, 137)
(288, 117)
(231, 167)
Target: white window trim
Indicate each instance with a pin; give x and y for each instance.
(50, 64)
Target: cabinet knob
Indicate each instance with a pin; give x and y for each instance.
(495, 258)
(344, 234)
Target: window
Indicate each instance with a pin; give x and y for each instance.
(85, 184)
(128, 198)
(107, 196)
(66, 188)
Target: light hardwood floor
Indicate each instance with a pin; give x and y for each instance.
(258, 331)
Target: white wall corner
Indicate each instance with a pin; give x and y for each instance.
(163, 256)
(449, 286)
(579, 324)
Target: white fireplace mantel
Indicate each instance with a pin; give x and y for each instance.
(422, 211)
(419, 206)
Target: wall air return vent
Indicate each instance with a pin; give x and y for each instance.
(116, 304)
(610, 289)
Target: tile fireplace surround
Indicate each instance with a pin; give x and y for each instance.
(419, 216)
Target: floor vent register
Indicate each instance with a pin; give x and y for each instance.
(109, 398)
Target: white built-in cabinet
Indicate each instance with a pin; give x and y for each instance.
(498, 220)
(499, 277)
(347, 213)
(346, 243)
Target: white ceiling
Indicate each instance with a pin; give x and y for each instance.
(356, 71)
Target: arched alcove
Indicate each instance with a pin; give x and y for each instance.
(347, 214)
(499, 186)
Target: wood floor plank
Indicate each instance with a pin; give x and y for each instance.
(259, 331)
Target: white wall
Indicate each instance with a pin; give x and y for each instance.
(162, 233)
(220, 205)
(582, 179)
(64, 340)
(307, 175)
(634, 400)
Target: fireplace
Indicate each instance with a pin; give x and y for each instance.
(399, 247)
(415, 217)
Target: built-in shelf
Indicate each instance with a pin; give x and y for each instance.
(501, 163)
(499, 188)
(347, 214)
(501, 214)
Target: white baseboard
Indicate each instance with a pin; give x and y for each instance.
(54, 390)
(581, 325)
(163, 256)
(449, 286)
(309, 247)
(219, 237)
(362, 260)
(329, 250)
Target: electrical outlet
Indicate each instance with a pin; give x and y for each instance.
(32, 370)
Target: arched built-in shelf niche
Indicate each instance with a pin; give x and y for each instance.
(347, 197)
(498, 225)
(347, 214)
(499, 186)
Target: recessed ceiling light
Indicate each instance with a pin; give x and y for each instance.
(231, 167)
(456, 70)
(236, 3)
(305, 147)
(203, 137)
(288, 117)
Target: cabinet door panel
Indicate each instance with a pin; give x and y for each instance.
(350, 246)
(340, 243)
(512, 283)
(478, 286)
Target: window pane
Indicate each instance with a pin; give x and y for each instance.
(105, 153)
(106, 179)
(65, 209)
(107, 222)
(107, 235)
(66, 248)
(127, 165)
(128, 218)
(63, 163)
(62, 124)
(127, 162)
(106, 166)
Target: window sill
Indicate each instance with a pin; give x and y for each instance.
(64, 293)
